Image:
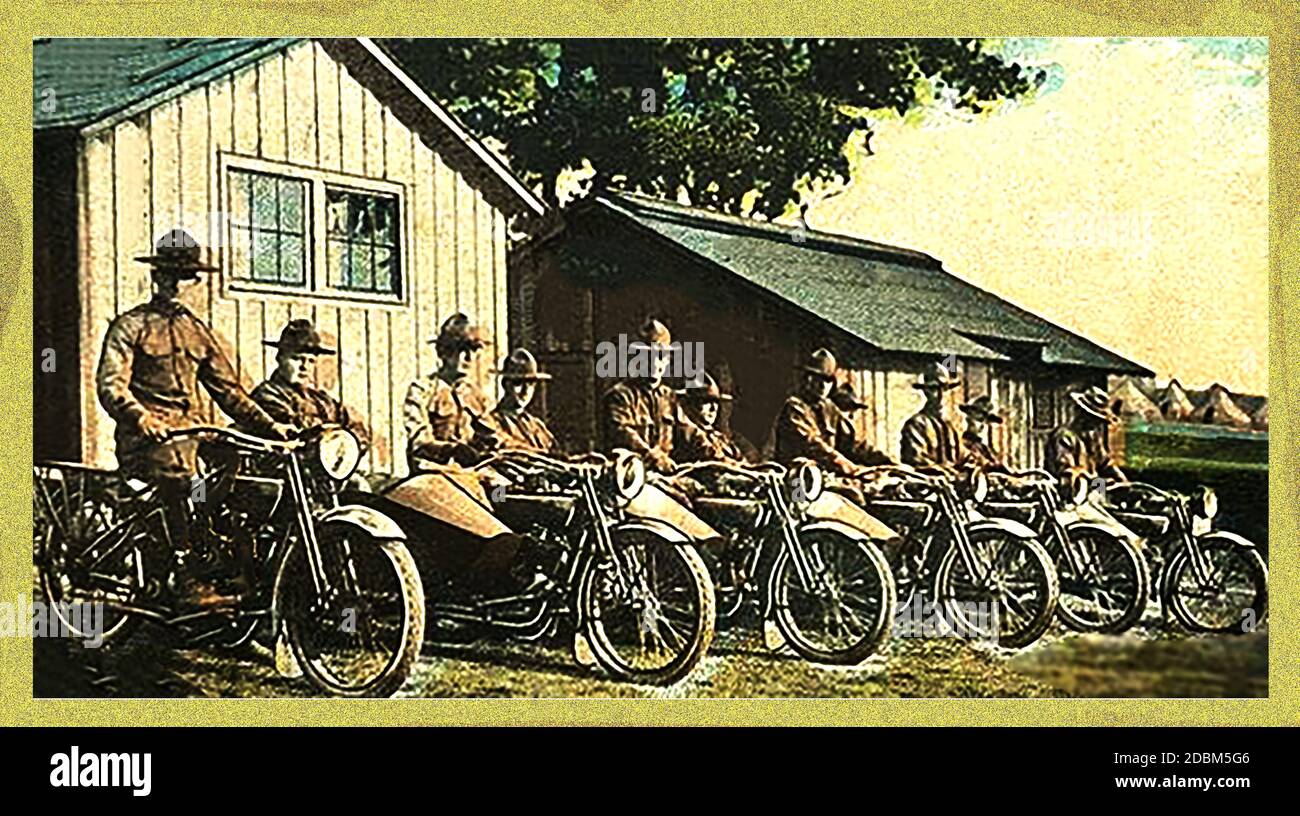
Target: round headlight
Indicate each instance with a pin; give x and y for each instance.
(628, 474)
(977, 482)
(1205, 502)
(806, 482)
(339, 452)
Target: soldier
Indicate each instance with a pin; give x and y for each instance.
(288, 396)
(641, 412)
(811, 426)
(516, 428)
(153, 360)
(975, 452)
(702, 440)
(928, 439)
(445, 412)
(1081, 447)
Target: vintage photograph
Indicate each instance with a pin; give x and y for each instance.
(570, 368)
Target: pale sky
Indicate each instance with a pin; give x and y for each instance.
(1127, 202)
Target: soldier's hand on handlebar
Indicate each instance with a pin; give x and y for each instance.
(153, 428)
(282, 431)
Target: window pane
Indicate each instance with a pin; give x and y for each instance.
(383, 270)
(239, 188)
(362, 273)
(336, 212)
(291, 260)
(265, 262)
(385, 221)
(264, 198)
(241, 253)
(291, 201)
(336, 263)
(361, 219)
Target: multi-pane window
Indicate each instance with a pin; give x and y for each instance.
(361, 241)
(268, 226)
(312, 231)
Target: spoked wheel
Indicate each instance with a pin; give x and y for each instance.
(650, 618)
(1234, 599)
(88, 551)
(360, 634)
(1109, 589)
(843, 612)
(1012, 597)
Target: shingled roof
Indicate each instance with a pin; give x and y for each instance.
(891, 298)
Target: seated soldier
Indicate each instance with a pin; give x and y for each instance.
(640, 413)
(702, 440)
(515, 427)
(928, 439)
(288, 396)
(1081, 447)
(445, 413)
(975, 451)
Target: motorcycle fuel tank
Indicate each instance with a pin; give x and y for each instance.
(653, 503)
(831, 506)
(454, 497)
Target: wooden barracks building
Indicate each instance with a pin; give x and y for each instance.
(760, 296)
(321, 180)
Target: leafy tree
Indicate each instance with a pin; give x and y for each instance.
(712, 117)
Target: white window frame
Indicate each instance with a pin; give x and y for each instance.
(316, 286)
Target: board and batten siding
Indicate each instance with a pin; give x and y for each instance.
(300, 108)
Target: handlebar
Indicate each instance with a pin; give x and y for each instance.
(586, 460)
(238, 439)
(749, 472)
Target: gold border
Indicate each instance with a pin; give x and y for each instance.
(631, 18)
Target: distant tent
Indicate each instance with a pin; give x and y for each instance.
(1259, 420)
(1175, 404)
(1221, 409)
(1134, 402)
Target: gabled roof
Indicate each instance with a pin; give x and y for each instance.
(891, 298)
(97, 82)
(1134, 400)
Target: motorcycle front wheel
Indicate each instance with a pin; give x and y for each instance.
(360, 634)
(651, 617)
(843, 616)
(1235, 598)
(1013, 597)
(1109, 589)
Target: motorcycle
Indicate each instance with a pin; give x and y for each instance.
(990, 577)
(580, 547)
(1103, 575)
(799, 555)
(1213, 581)
(336, 580)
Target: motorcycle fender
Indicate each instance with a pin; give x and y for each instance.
(366, 518)
(654, 504)
(1240, 541)
(1010, 526)
(832, 507)
(659, 528)
(454, 498)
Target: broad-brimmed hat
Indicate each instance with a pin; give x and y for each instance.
(703, 389)
(521, 365)
(982, 407)
(652, 333)
(299, 336)
(1096, 402)
(937, 377)
(457, 332)
(821, 362)
(177, 253)
(846, 399)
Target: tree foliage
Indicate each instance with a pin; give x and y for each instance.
(714, 118)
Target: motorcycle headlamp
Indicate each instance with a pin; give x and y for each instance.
(977, 485)
(806, 482)
(1205, 502)
(339, 453)
(627, 473)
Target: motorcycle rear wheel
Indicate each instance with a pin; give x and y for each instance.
(1236, 604)
(657, 629)
(844, 620)
(1115, 574)
(1019, 605)
(363, 640)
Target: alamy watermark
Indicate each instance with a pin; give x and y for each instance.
(632, 359)
(972, 620)
(83, 620)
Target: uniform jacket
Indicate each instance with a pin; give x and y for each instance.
(520, 429)
(978, 453)
(439, 417)
(306, 407)
(823, 433)
(1069, 452)
(641, 418)
(708, 445)
(928, 440)
(153, 360)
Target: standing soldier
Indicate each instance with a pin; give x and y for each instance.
(516, 428)
(702, 440)
(810, 426)
(1081, 447)
(153, 360)
(445, 412)
(641, 412)
(288, 396)
(975, 451)
(928, 439)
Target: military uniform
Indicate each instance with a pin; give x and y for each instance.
(303, 406)
(440, 419)
(822, 433)
(642, 417)
(154, 357)
(928, 441)
(975, 452)
(1069, 452)
(708, 445)
(520, 429)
